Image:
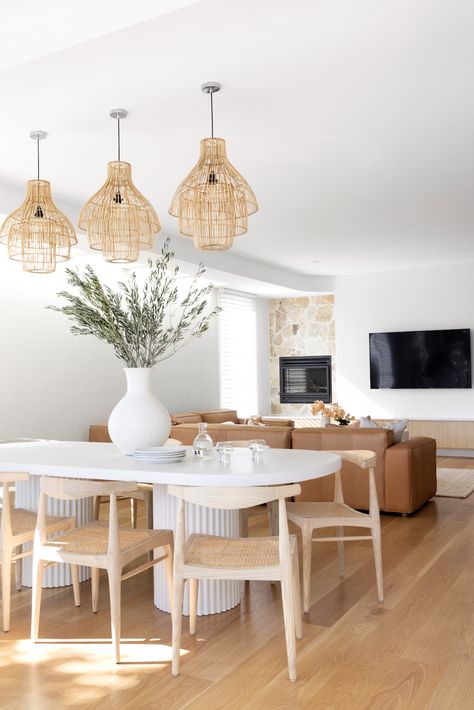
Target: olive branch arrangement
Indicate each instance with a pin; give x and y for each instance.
(144, 325)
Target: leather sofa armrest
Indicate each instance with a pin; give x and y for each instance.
(410, 474)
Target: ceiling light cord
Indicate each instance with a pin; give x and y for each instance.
(212, 115)
(118, 138)
(38, 158)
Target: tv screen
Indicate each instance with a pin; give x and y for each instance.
(420, 359)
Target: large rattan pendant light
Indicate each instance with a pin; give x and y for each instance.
(118, 220)
(213, 202)
(37, 233)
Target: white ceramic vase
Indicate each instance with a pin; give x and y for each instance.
(139, 419)
(323, 420)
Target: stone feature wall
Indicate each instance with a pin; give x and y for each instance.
(299, 326)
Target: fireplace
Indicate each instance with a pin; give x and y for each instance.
(305, 379)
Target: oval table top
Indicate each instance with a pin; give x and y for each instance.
(100, 460)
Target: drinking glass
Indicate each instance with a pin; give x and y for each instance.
(257, 446)
(224, 450)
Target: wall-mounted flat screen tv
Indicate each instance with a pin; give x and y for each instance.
(420, 359)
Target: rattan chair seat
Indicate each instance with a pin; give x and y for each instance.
(24, 521)
(213, 551)
(92, 539)
(322, 510)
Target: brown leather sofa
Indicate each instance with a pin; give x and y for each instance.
(405, 473)
(185, 428)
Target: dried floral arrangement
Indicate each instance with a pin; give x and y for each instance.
(145, 325)
(333, 411)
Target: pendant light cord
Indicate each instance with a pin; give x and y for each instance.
(38, 158)
(212, 115)
(118, 139)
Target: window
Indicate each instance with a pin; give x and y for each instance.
(238, 352)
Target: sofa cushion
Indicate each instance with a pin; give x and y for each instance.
(217, 416)
(186, 418)
(278, 437)
(368, 423)
(99, 432)
(398, 427)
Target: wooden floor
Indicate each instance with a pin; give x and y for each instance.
(414, 651)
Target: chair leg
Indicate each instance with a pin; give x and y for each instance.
(177, 620)
(377, 545)
(133, 511)
(244, 522)
(169, 574)
(115, 575)
(340, 551)
(289, 619)
(272, 509)
(37, 579)
(307, 535)
(6, 587)
(149, 509)
(19, 571)
(193, 597)
(297, 595)
(97, 502)
(95, 571)
(75, 584)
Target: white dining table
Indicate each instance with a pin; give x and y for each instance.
(104, 461)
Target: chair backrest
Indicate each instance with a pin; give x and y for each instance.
(13, 477)
(366, 460)
(233, 498)
(361, 458)
(74, 488)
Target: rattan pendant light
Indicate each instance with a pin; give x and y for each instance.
(37, 233)
(118, 219)
(213, 202)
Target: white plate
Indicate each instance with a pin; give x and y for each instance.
(161, 450)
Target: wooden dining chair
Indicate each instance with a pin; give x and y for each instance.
(97, 545)
(310, 516)
(18, 528)
(143, 492)
(212, 557)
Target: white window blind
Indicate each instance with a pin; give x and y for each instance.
(238, 352)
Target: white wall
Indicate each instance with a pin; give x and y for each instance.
(54, 384)
(414, 299)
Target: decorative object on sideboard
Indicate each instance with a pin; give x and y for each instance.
(37, 233)
(145, 325)
(331, 412)
(118, 219)
(213, 202)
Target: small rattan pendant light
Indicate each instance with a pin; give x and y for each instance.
(37, 233)
(213, 202)
(118, 220)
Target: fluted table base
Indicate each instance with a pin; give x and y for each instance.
(214, 596)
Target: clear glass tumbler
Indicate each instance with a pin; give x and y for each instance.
(257, 446)
(224, 450)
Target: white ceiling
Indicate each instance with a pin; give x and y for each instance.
(352, 121)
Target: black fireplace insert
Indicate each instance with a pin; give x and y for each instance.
(305, 379)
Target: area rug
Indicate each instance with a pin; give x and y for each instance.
(455, 482)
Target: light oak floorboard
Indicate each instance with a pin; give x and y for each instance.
(415, 651)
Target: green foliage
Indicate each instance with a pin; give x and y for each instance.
(144, 325)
